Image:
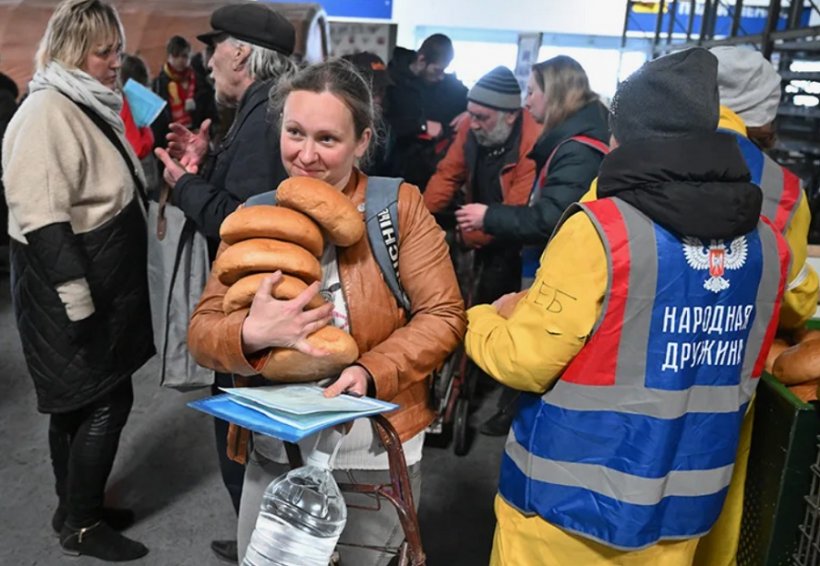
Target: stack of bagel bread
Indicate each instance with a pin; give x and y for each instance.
(290, 237)
(794, 360)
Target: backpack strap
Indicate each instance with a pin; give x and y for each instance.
(382, 222)
(267, 198)
(109, 133)
(590, 142)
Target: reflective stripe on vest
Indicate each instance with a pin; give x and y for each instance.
(636, 442)
(781, 188)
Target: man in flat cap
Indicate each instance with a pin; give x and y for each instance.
(641, 341)
(252, 44)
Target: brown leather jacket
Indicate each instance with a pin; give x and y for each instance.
(400, 355)
(456, 169)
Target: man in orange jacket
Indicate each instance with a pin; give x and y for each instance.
(489, 160)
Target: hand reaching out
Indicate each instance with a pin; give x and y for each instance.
(187, 147)
(173, 168)
(272, 323)
(471, 217)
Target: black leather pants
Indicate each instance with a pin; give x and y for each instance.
(83, 445)
(233, 473)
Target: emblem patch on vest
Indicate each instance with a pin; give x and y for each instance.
(717, 258)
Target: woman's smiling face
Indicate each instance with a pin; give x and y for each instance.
(318, 137)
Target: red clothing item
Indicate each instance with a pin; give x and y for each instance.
(141, 139)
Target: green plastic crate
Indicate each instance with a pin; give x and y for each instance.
(808, 549)
(784, 448)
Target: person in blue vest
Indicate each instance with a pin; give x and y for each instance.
(641, 341)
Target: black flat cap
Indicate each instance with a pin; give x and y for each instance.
(255, 23)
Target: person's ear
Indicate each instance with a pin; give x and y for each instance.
(511, 117)
(363, 143)
(241, 55)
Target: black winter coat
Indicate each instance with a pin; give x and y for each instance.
(410, 103)
(571, 171)
(247, 162)
(74, 363)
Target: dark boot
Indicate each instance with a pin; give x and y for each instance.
(100, 541)
(225, 550)
(117, 519)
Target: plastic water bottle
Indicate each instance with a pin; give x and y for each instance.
(302, 515)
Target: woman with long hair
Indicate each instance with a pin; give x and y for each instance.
(78, 265)
(327, 122)
(567, 156)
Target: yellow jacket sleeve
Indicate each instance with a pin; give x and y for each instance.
(552, 322)
(592, 193)
(800, 298)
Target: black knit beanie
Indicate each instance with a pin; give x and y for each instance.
(672, 96)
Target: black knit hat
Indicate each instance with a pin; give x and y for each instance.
(255, 23)
(672, 96)
(497, 89)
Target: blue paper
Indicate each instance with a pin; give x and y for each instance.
(145, 104)
(285, 426)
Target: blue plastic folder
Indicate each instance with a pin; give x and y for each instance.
(288, 421)
(145, 105)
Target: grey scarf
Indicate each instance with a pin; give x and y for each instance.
(81, 87)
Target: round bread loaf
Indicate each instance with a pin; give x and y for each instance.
(806, 334)
(778, 347)
(241, 293)
(326, 205)
(272, 222)
(509, 305)
(806, 391)
(798, 364)
(259, 255)
(286, 364)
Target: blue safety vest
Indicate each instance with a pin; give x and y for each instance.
(636, 441)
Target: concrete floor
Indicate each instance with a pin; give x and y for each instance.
(166, 471)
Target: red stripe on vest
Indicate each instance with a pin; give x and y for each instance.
(789, 198)
(785, 258)
(606, 341)
(585, 140)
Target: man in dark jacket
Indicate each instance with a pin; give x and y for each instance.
(251, 48)
(421, 103)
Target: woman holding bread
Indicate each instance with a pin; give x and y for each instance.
(378, 349)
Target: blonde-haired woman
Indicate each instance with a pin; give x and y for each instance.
(567, 156)
(78, 265)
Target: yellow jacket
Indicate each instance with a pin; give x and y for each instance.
(528, 352)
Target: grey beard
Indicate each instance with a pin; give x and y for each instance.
(495, 137)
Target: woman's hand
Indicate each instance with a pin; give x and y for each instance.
(471, 217)
(187, 147)
(272, 323)
(354, 380)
